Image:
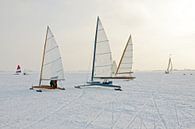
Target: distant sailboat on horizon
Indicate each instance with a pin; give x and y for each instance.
(18, 70)
(170, 66)
(102, 66)
(51, 67)
(124, 69)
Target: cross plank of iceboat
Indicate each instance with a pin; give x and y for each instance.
(47, 87)
(102, 84)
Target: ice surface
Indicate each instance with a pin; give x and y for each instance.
(152, 101)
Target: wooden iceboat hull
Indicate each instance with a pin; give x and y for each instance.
(47, 87)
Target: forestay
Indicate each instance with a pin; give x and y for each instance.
(52, 68)
(103, 59)
(125, 65)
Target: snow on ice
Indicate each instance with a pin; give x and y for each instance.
(153, 100)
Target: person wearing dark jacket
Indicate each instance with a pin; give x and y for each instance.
(55, 84)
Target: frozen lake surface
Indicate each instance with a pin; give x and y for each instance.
(152, 101)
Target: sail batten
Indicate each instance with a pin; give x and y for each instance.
(52, 61)
(103, 53)
(125, 73)
(104, 65)
(52, 49)
(103, 41)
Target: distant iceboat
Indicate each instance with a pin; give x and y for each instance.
(51, 68)
(102, 61)
(18, 70)
(124, 69)
(170, 66)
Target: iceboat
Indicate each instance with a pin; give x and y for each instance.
(124, 69)
(169, 67)
(102, 65)
(18, 70)
(51, 67)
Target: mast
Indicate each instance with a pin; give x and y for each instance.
(43, 56)
(123, 54)
(94, 51)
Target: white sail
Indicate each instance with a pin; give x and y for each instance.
(170, 66)
(114, 68)
(103, 57)
(52, 68)
(125, 65)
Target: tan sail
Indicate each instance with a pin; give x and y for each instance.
(124, 69)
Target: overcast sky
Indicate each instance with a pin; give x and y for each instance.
(158, 28)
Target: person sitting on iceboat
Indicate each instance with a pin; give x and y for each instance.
(107, 82)
(53, 83)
